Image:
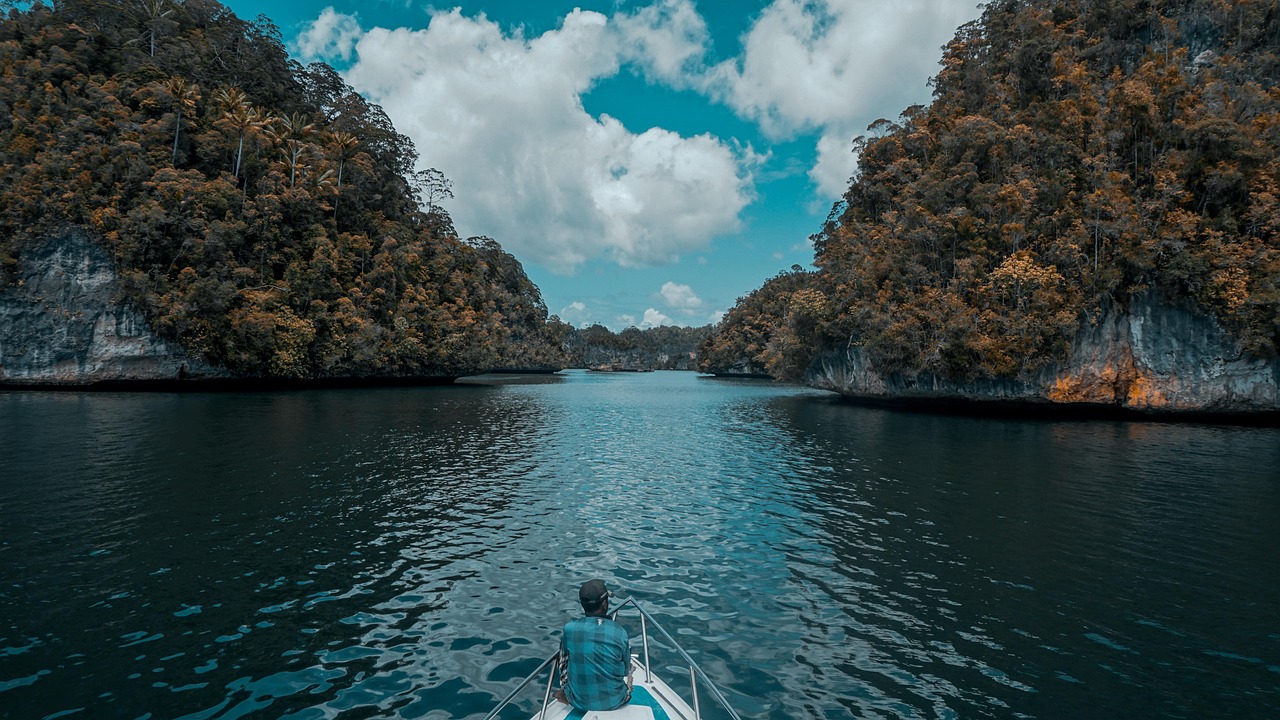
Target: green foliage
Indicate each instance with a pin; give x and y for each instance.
(773, 329)
(1074, 154)
(262, 214)
(657, 348)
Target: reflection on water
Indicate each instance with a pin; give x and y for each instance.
(413, 552)
(991, 568)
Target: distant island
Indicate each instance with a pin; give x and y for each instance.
(656, 348)
(1086, 215)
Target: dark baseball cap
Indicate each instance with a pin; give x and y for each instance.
(592, 592)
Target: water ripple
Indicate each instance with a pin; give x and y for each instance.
(412, 553)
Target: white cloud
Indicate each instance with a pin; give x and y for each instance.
(718, 315)
(680, 297)
(836, 161)
(668, 39)
(575, 313)
(626, 321)
(501, 115)
(331, 37)
(834, 67)
(654, 318)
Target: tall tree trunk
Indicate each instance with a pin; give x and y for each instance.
(177, 127)
(338, 198)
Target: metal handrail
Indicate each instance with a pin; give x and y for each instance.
(693, 666)
(695, 672)
(523, 684)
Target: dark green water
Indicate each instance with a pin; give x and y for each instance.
(412, 552)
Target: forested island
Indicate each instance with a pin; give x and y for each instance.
(655, 348)
(178, 198)
(1088, 212)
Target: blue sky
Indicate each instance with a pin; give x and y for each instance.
(648, 161)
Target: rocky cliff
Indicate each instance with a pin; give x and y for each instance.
(61, 323)
(744, 368)
(1152, 357)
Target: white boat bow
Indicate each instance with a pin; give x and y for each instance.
(651, 697)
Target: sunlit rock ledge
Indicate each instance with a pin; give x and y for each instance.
(1153, 359)
(62, 325)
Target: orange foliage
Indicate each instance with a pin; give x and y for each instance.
(1074, 153)
(261, 214)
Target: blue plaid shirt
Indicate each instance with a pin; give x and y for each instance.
(595, 655)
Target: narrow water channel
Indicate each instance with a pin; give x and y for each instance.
(413, 552)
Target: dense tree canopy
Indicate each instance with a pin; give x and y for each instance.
(1075, 153)
(657, 348)
(770, 329)
(262, 213)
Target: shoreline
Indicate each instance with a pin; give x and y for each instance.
(1038, 411)
(1048, 411)
(223, 384)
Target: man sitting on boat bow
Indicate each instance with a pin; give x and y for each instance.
(595, 655)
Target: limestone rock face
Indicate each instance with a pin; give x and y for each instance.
(745, 368)
(62, 323)
(1154, 357)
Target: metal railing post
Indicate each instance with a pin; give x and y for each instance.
(551, 680)
(644, 637)
(693, 683)
(715, 691)
(523, 684)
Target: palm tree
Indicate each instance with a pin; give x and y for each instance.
(294, 126)
(343, 145)
(239, 117)
(293, 133)
(185, 96)
(293, 152)
(322, 181)
(151, 12)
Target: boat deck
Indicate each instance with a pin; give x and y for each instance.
(651, 699)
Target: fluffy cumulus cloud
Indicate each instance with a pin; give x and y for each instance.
(501, 115)
(834, 67)
(575, 313)
(332, 36)
(668, 39)
(653, 318)
(680, 297)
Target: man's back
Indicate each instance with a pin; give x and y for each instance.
(599, 660)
